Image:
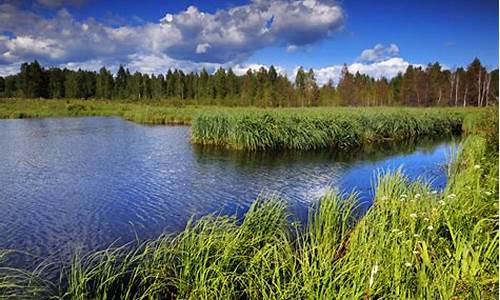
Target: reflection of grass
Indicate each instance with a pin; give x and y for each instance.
(368, 152)
(413, 243)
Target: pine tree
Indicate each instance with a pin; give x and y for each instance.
(121, 81)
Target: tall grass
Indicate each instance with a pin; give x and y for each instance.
(305, 129)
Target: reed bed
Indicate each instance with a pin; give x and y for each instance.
(413, 243)
(307, 129)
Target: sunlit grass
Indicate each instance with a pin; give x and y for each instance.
(316, 128)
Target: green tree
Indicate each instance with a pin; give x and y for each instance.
(11, 86)
(104, 84)
(233, 88)
(300, 85)
(56, 83)
(346, 87)
(220, 84)
(33, 80)
(121, 90)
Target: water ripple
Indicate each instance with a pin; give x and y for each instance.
(89, 182)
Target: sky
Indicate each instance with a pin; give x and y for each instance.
(378, 38)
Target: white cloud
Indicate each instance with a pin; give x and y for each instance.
(378, 53)
(388, 68)
(242, 69)
(377, 62)
(9, 69)
(202, 48)
(189, 40)
(228, 36)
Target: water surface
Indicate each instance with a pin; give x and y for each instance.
(89, 182)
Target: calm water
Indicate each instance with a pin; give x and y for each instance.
(91, 182)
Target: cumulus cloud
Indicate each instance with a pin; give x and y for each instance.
(378, 53)
(388, 68)
(377, 62)
(189, 37)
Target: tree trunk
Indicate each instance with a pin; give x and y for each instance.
(479, 89)
(452, 82)
(487, 90)
(465, 95)
(456, 90)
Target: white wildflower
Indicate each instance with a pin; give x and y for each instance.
(434, 192)
(416, 235)
(407, 264)
(413, 215)
(384, 198)
(441, 202)
(416, 252)
(404, 196)
(417, 196)
(477, 167)
(430, 227)
(452, 196)
(426, 219)
(487, 193)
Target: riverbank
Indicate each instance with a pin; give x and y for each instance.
(412, 243)
(146, 113)
(248, 128)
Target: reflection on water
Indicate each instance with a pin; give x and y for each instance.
(91, 182)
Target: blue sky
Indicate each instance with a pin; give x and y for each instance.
(241, 34)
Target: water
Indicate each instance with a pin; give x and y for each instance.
(88, 183)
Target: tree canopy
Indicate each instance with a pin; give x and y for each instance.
(417, 86)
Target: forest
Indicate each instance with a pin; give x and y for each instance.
(433, 85)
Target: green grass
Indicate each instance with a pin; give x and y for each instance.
(316, 128)
(147, 113)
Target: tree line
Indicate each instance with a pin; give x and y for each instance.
(417, 86)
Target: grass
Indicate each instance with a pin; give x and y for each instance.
(339, 128)
(147, 113)
(413, 243)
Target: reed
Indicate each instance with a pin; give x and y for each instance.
(306, 129)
